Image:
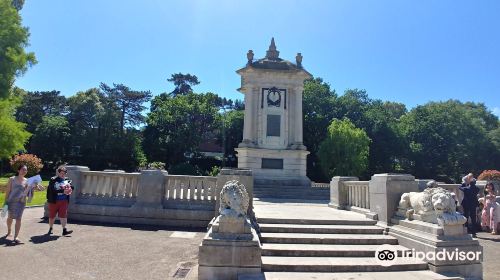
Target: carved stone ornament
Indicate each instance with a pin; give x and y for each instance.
(274, 97)
(234, 200)
(433, 205)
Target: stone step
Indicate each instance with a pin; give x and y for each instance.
(360, 221)
(322, 250)
(281, 186)
(293, 196)
(311, 238)
(327, 264)
(310, 196)
(282, 182)
(275, 191)
(389, 275)
(301, 228)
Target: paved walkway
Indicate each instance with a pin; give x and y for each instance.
(120, 252)
(97, 252)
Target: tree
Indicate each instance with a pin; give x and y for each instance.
(345, 150)
(13, 135)
(14, 60)
(183, 83)
(450, 139)
(387, 146)
(51, 140)
(319, 110)
(36, 105)
(233, 131)
(129, 103)
(177, 124)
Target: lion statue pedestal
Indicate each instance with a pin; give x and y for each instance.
(231, 246)
(433, 205)
(428, 222)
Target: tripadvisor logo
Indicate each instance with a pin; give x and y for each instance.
(387, 255)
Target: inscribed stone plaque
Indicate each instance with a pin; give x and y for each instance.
(272, 163)
(273, 125)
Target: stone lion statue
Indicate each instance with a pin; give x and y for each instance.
(234, 199)
(434, 205)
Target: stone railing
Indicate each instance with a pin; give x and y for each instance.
(320, 185)
(350, 193)
(358, 194)
(107, 188)
(181, 187)
(149, 197)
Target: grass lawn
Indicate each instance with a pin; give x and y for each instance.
(38, 199)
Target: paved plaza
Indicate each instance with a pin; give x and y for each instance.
(100, 251)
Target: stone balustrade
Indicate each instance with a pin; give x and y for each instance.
(358, 194)
(149, 197)
(181, 187)
(109, 184)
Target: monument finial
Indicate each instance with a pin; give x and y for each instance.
(272, 53)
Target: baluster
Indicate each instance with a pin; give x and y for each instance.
(192, 189)
(367, 197)
(178, 188)
(349, 195)
(211, 189)
(206, 188)
(93, 185)
(185, 188)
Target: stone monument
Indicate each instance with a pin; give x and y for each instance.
(272, 145)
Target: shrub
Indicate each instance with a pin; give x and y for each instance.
(31, 161)
(156, 165)
(215, 171)
(489, 175)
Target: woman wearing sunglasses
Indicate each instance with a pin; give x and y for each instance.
(58, 193)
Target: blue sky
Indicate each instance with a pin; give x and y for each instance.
(406, 51)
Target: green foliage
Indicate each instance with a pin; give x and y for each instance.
(344, 152)
(95, 119)
(32, 162)
(387, 146)
(35, 105)
(185, 169)
(128, 102)
(177, 124)
(51, 140)
(449, 138)
(12, 133)
(183, 83)
(215, 171)
(232, 131)
(14, 60)
(156, 165)
(319, 110)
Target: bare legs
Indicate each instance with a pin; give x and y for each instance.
(9, 226)
(17, 227)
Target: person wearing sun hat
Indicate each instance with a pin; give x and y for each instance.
(58, 193)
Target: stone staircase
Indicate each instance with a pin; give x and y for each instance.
(312, 241)
(288, 189)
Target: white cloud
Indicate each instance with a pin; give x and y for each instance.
(496, 111)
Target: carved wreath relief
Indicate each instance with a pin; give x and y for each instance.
(274, 97)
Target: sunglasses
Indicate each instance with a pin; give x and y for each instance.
(64, 171)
